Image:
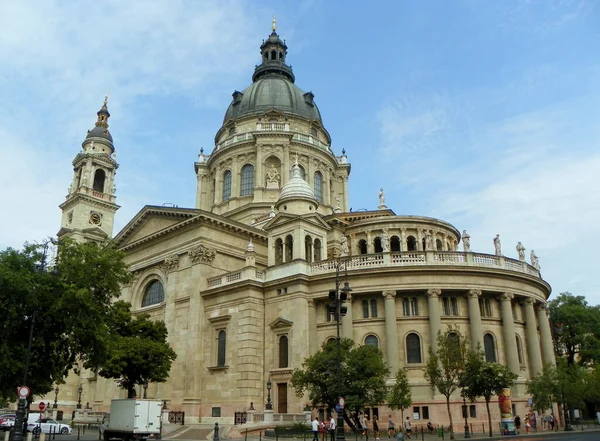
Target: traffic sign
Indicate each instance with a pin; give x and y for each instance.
(342, 402)
(23, 391)
(42, 405)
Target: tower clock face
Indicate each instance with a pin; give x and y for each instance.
(95, 218)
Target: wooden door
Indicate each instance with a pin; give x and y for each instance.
(282, 398)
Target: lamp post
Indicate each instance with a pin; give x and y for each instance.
(79, 391)
(467, 432)
(145, 389)
(55, 405)
(269, 405)
(338, 297)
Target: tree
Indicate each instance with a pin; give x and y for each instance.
(543, 389)
(363, 377)
(445, 366)
(576, 328)
(64, 305)
(400, 396)
(136, 349)
(484, 379)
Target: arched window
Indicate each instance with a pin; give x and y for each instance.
(413, 348)
(405, 307)
(154, 294)
(371, 340)
(221, 348)
(519, 348)
(318, 250)
(289, 248)
(373, 307)
(247, 186)
(453, 338)
(490, 348)
(362, 246)
(438, 245)
(395, 243)
(273, 55)
(283, 351)
(377, 243)
(365, 308)
(227, 185)
(424, 243)
(99, 178)
(318, 181)
(414, 306)
(411, 243)
(308, 245)
(278, 252)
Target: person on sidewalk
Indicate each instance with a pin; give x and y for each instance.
(407, 428)
(391, 428)
(332, 427)
(315, 429)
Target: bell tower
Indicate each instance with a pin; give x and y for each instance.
(89, 209)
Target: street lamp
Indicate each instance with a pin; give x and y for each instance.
(79, 391)
(269, 405)
(145, 389)
(467, 433)
(338, 297)
(55, 405)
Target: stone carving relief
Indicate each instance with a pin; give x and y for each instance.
(344, 245)
(201, 254)
(474, 293)
(272, 177)
(434, 292)
(171, 263)
(389, 294)
(535, 261)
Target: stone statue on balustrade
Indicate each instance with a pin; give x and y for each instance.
(535, 261)
(497, 245)
(381, 199)
(273, 177)
(428, 241)
(338, 205)
(344, 244)
(385, 241)
(521, 251)
(466, 241)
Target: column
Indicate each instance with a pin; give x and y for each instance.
(313, 344)
(391, 331)
(475, 319)
(434, 315)
(533, 342)
(508, 333)
(346, 196)
(403, 246)
(347, 331)
(370, 246)
(545, 334)
(419, 241)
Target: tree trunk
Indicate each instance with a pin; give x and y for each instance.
(131, 392)
(450, 417)
(487, 406)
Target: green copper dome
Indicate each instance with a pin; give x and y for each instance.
(273, 87)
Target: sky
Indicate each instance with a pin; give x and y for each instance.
(483, 114)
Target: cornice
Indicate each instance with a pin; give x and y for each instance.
(111, 206)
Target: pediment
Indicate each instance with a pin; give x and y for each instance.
(150, 220)
(280, 323)
(281, 219)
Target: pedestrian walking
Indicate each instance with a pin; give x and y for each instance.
(375, 428)
(332, 427)
(408, 428)
(391, 428)
(315, 429)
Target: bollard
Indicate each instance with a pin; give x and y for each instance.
(42, 436)
(260, 436)
(78, 429)
(216, 433)
(442, 431)
(246, 434)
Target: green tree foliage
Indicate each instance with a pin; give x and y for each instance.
(484, 379)
(543, 389)
(400, 395)
(136, 349)
(445, 366)
(363, 377)
(576, 328)
(65, 304)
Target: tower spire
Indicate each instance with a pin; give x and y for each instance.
(100, 129)
(274, 24)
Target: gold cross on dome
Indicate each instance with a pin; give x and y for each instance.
(274, 24)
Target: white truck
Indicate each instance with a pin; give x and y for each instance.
(132, 419)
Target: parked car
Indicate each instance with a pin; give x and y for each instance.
(48, 425)
(7, 422)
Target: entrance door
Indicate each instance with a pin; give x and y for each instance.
(282, 398)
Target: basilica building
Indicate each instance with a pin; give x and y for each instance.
(242, 279)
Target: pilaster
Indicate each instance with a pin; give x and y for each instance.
(475, 318)
(508, 333)
(391, 331)
(434, 315)
(347, 330)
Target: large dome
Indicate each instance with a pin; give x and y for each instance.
(273, 92)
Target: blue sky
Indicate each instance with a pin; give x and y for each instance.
(484, 114)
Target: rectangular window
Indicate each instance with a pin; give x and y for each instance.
(365, 306)
(414, 306)
(472, 411)
(405, 307)
(446, 305)
(454, 306)
(425, 410)
(216, 412)
(416, 413)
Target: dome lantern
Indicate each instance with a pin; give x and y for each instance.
(101, 127)
(273, 51)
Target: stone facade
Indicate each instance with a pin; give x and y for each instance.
(246, 273)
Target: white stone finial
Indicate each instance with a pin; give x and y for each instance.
(250, 246)
(296, 159)
(272, 212)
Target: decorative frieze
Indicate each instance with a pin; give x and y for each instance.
(171, 263)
